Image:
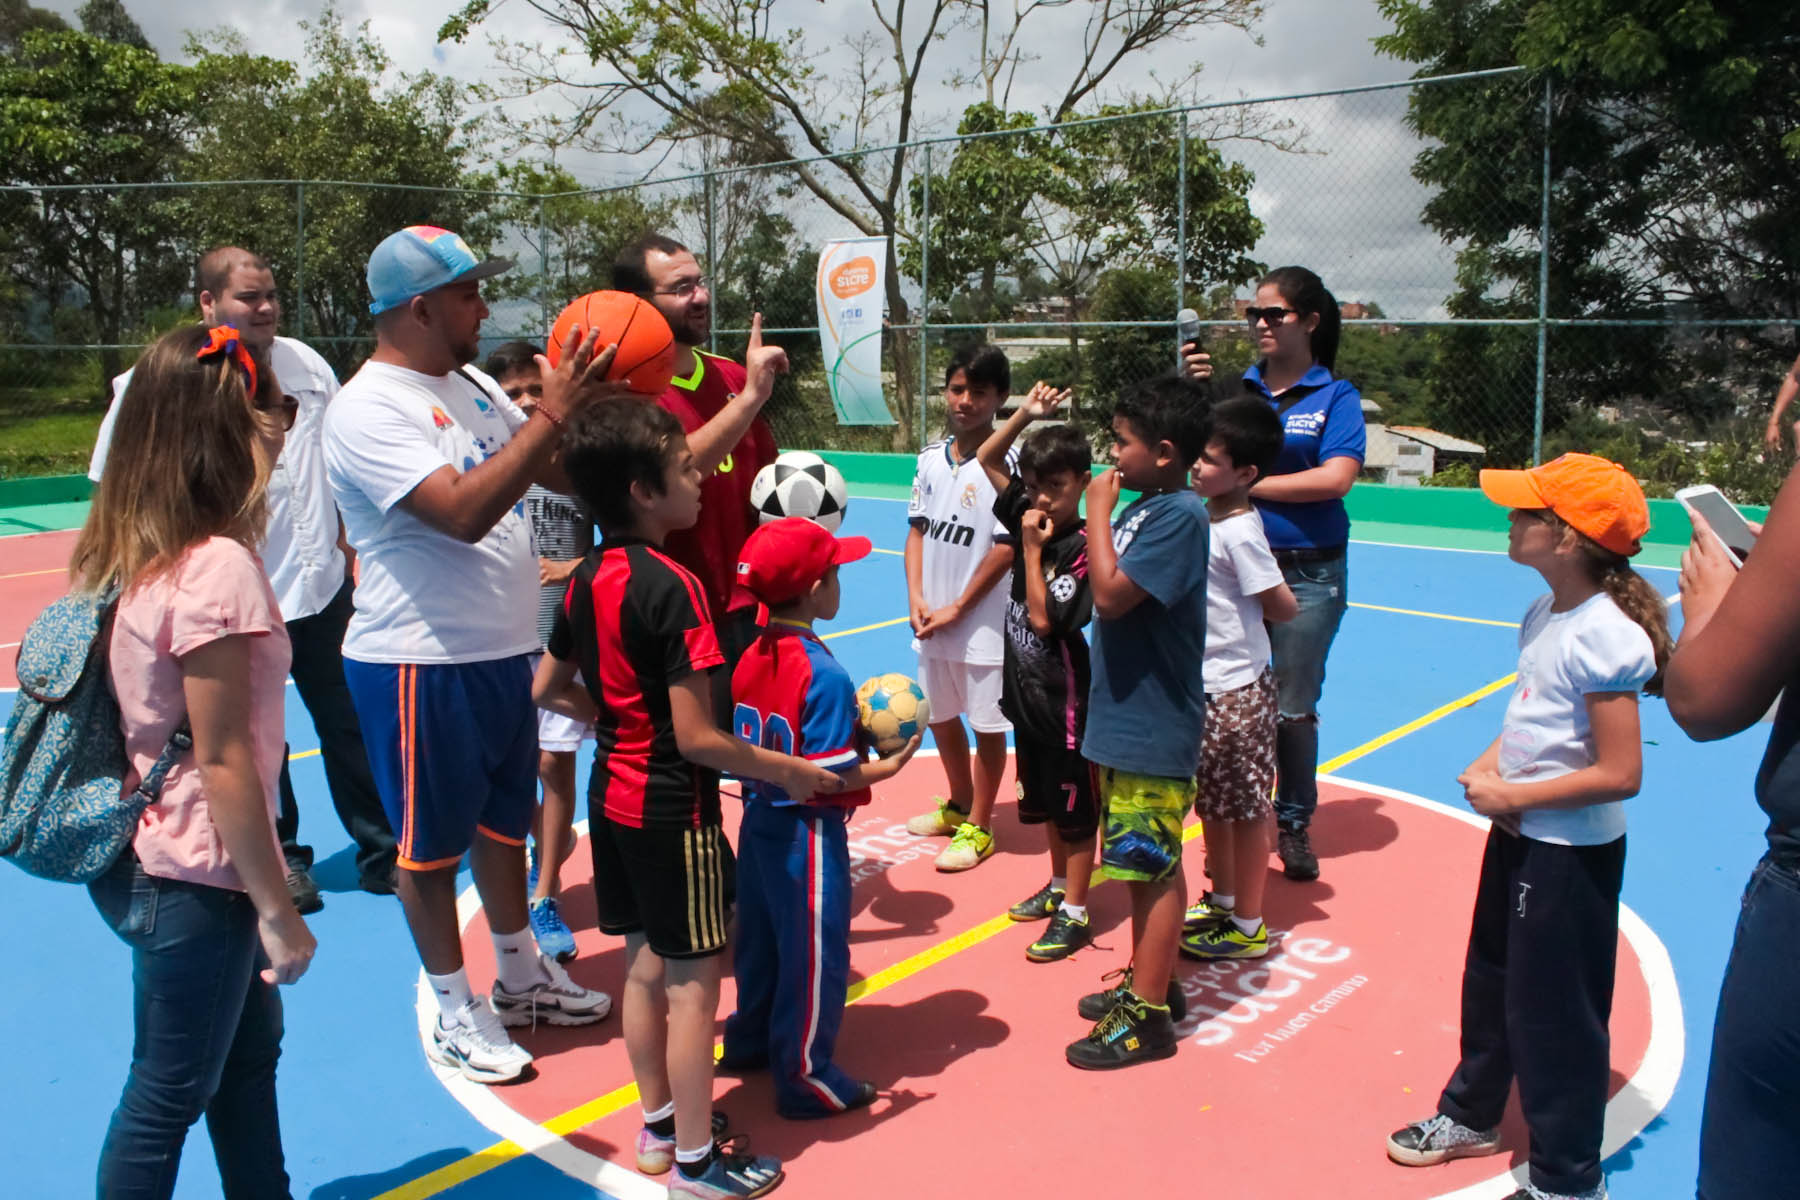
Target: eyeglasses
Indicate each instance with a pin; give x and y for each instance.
(286, 410)
(1274, 315)
(685, 288)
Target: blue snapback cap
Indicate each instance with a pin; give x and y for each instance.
(419, 259)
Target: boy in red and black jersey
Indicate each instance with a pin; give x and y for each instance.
(638, 628)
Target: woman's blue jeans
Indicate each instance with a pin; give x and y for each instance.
(1750, 1127)
(1300, 647)
(206, 1036)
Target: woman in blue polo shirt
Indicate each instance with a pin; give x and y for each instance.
(1295, 323)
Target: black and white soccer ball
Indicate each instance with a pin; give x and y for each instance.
(800, 484)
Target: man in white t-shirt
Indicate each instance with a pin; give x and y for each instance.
(303, 553)
(429, 462)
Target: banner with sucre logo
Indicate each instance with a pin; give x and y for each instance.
(850, 293)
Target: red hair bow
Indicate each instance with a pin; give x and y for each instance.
(224, 342)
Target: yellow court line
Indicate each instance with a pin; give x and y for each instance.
(28, 574)
(297, 755)
(895, 553)
(864, 628)
(500, 1153)
(1436, 616)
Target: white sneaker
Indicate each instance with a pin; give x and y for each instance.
(472, 1041)
(555, 999)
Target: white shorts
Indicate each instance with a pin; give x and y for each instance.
(560, 734)
(557, 733)
(956, 689)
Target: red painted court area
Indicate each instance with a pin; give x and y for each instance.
(1343, 1034)
(34, 570)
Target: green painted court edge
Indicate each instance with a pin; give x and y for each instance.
(1441, 518)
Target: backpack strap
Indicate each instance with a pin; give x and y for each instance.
(180, 742)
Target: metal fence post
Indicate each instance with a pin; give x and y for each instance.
(1181, 168)
(544, 273)
(708, 197)
(1543, 322)
(299, 260)
(924, 322)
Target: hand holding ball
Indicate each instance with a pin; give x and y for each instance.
(645, 361)
(892, 708)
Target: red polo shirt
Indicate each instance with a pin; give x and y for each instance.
(710, 548)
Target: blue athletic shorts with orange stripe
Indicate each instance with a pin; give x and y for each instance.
(453, 748)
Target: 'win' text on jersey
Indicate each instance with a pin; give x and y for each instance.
(636, 623)
(952, 507)
(791, 696)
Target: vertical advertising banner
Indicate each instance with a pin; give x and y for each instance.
(850, 291)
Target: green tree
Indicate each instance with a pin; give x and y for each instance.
(19, 17)
(569, 236)
(76, 108)
(108, 20)
(1081, 202)
(1675, 163)
(403, 138)
(746, 75)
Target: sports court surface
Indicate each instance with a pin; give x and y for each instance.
(1292, 1070)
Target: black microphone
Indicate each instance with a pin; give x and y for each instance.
(1187, 329)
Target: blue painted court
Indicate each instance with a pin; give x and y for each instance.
(961, 1023)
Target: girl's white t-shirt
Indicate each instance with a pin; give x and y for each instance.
(1564, 657)
(1239, 568)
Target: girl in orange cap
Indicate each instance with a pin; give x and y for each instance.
(1538, 981)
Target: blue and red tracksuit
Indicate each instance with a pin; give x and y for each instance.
(792, 955)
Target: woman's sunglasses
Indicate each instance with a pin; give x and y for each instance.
(1272, 316)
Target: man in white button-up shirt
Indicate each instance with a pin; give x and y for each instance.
(305, 558)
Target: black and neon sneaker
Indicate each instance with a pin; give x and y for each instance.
(1095, 1005)
(1135, 1031)
(1065, 935)
(1225, 940)
(1037, 906)
(1204, 912)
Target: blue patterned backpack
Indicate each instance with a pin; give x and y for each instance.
(64, 810)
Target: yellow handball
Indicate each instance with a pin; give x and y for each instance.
(893, 709)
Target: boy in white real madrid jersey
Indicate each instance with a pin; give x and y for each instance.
(956, 552)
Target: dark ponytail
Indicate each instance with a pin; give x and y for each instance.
(1306, 292)
(1638, 599)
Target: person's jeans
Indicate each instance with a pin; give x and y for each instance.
(318, 673)
(1750, 1126)
(1300, 647)
(206, 1037)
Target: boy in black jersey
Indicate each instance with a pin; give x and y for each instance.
(1046, 668)
(637, 627)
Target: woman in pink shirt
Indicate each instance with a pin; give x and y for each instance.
(200, 896)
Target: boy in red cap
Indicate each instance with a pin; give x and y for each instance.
(1538, 981)
(792, 948)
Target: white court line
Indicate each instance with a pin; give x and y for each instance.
(1628, 1113)
(1650, 1088)
(1362, 541)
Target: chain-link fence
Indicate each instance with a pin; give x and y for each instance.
(1072, 247)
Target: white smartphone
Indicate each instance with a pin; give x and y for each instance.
(1728, 524)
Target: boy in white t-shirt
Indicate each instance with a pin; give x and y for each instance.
(1244, 588)
(955, 554)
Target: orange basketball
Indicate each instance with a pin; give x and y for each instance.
(645, 361)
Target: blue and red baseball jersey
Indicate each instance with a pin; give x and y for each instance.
(791, 696)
